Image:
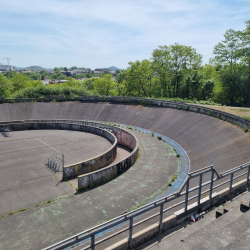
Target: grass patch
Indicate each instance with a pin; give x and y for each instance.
(128, 127)
(246, 117)
(21, 210)
(174, 177)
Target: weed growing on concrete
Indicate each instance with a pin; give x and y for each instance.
(21, 210)
(159, 137)
(54, 100)
(246, 117)
(37, 205)
(153, 134)
(178, 155)
(174, 178)
(2, 216)
(174, 150)
(128, 127)
(245, 130)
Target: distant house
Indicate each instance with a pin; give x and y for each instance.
(46, 81)
(57, 81)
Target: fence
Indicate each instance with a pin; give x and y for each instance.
(56, 163)
(4, 132)
(215, 181)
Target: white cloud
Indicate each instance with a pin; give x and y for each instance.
(103, 33)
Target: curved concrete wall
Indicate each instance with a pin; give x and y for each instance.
(108, 173)
(80, 168)
(207, 140)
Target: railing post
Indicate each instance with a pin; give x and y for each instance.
(211, 184)
(63, 165)
(92, 242)
(200, 186)
(248, 173)
(231, 181)
(130, 238)
(161, 216)
(186, 198)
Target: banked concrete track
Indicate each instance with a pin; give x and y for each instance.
(206, 140)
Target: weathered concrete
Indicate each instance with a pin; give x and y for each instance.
(25, 180)
(178, 217)
(50, 223)
(78, 168)
(108, 173)
(206, 139)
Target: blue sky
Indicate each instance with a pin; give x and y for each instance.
(103, 33)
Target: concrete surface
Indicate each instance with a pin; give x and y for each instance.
(225, 232)
(207, 140)
(46, 224)
(24, 178)
(122, 152)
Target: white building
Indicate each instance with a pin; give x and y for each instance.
(7, 67)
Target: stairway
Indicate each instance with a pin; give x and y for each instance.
(230, 230)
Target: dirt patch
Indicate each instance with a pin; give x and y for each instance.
(243, 112)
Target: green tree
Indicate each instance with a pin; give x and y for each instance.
(171, 64)
(57, 75)
(5, 86)
(73, 67)
(139, 78)
(228, 54)
(104, 85)
(19, 81)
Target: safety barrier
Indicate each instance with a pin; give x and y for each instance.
(214, 177)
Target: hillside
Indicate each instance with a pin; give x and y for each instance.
(35, 68)
(112, 68)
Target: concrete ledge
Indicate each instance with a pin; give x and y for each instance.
(178, 217)
(108, 173)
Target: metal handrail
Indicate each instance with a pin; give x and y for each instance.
(130, 216)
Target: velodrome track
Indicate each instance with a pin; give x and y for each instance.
(206, 140)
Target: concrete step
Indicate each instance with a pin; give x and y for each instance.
(241, 243)
(171, 240)
(206, 232)
(223, 237)
(190, 236)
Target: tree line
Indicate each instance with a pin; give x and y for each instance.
(173, 72)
